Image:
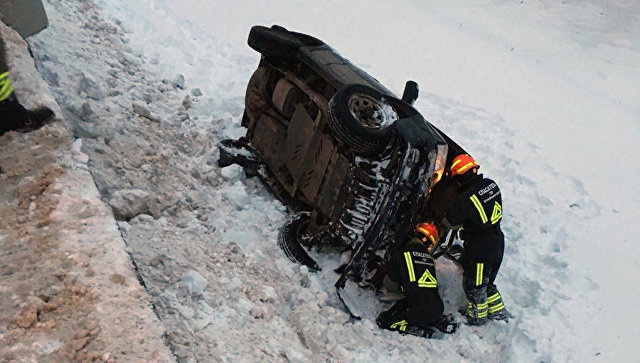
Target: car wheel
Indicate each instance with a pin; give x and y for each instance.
(289, 242)
(273, 42)
(359, 117)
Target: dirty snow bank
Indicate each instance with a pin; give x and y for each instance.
(69, 291)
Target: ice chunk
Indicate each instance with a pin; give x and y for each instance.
(194, 281)
(129, 203)
(387, 115)
(231, 172)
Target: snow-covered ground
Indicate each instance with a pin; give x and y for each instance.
(545, 95)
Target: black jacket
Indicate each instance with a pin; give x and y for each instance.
(478, 210)
(414, 269)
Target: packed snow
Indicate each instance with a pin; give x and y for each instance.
(544, 95)
(386, 114)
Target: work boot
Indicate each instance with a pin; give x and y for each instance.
(423, 332)
(496, 308)
(476, 314)
(503, 315)
(477, 304)
(446, 324)
(14, 117)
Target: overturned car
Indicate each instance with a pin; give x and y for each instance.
(353, 162)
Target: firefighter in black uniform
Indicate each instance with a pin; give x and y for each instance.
(413, 267)
(478, 211)
(13, 116)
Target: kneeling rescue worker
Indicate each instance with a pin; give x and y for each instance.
(413, 267)
(478, 211)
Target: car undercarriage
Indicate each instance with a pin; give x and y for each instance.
(354, 164)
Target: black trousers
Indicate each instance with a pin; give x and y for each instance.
(481, 259)
(3, 59)
(481, 262)
(420, 316)
(6, 89)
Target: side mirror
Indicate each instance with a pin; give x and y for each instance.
(410, 94)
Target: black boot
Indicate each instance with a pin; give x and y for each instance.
(446, 324)
(14, 117)
(497, 311)
(477, 305)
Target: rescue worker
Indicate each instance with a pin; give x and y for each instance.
(477, 210)
(13, 116)
(413, 268)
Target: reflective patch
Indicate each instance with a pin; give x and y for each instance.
(480, 310)
(486, 189)
(496, 215)
(409, 262)
(400, 325)
(427, 280)
(479, 272)
(476, 202)
(496, 308)
(494, 297)
(6, 89)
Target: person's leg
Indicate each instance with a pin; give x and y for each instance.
(3, 59)
(6, 89)
(497, 310)
(475, 277)
(474, 283)
(395, 318)
(13, 116)
(3, 69)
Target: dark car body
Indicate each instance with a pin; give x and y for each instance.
(334, 143)
(27, 17)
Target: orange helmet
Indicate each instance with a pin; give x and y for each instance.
(462, 163)
(428, 230)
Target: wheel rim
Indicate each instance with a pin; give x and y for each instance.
(370, 111)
